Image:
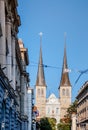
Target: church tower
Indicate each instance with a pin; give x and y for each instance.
(41, 85)
(65, 87)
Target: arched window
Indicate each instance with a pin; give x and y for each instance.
(67, 92)
(63, 91)
(38, 92)
(48, 110)
(42, 92)
(57, 110)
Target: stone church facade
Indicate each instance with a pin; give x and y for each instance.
(53, 107)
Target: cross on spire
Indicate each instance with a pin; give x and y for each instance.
(40, 34)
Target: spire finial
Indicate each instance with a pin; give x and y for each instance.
(40, 34)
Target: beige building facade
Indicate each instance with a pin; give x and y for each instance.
(64, 88)
(53, 107)
(41, 88)
(82, 108)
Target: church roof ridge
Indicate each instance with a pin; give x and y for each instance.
(52, 95)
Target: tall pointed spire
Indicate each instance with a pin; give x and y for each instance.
(40, 74)
(65, 76)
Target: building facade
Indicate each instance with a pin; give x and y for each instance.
(9, 117)
(22, 83)
(41, 88)
(46, 106)
(53, 108)
(82, 108)
(30, 108)
(14, 79)
(64, 88)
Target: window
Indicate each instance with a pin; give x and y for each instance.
(2, 117)
(7, 48)
(38, 92)
(57, 110)
(10, 117)
(67, 92)
(42, 92)
(0, 30)
(48, 110)
(63, 92)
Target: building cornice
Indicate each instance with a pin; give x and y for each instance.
(25, 51)
(85, 86)
(18, 57)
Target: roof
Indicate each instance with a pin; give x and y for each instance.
(40, 74)
(65, 71)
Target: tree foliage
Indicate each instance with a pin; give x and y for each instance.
(48, 124)
(63, 126)
(65, 123)
(52, 122)
(72, 108)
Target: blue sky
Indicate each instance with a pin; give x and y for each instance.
(54, 18)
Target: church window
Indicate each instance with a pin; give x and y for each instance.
(67, 92)
(42, 92)
(38, 92)
(57, 110)
(52, 111)
(63, 92)
(48, 110)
